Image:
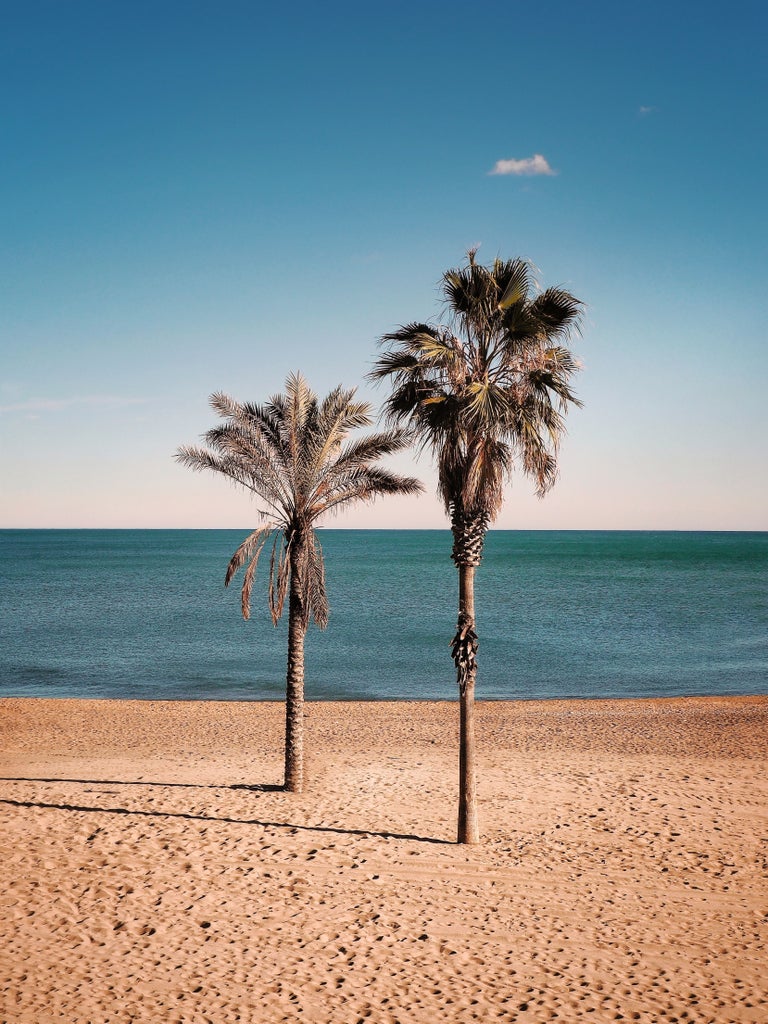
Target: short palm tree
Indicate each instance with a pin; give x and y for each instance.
(294, 454)
(485, 392)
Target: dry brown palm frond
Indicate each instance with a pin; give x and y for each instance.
(316, 597)
(245, 593)
(249, 552)
(279, 574)
(252, 544)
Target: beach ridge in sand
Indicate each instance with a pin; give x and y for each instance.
(155, 870)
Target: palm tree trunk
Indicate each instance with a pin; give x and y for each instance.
(294, 682)
(464, 654)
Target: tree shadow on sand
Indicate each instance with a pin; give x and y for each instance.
(188, 816)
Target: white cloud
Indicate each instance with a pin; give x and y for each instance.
(536, 164)
(645, 111)
(39, 405)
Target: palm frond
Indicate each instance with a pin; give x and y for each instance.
(547, 383)
(398, 361)
(279, 575)
(405, 402)
(337, 416)
(258, 419)
(199, 459)
(542, 466)
(316, 597)
(365, 484)
(437, 349)
(407, 335)
(487, 405)
(339, 413)
(364, 450)
(514, 278)
(245, 593)
(299, 406)
(196, 459)
(557, 313)
(226, 406)
(249, 548)
(248, 551)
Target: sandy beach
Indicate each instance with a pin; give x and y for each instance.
(153, 870)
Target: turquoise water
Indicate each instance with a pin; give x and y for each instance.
(144, 614)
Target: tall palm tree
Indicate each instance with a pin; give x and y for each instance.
(485, 392)
(294, 454)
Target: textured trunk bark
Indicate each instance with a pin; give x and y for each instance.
(294, 683)
(465, 647)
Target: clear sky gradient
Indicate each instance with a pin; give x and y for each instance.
(199, 196)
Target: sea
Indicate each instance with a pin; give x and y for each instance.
(144, 614)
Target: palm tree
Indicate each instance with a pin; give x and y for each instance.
(294, 454)
(485, 392)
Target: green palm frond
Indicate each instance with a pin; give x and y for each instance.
(514, 277)
(404, 403)
(557, 312)
(395, 362)
(407, 335)
(438, 349)
(486, 405)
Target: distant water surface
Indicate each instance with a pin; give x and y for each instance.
(144, 614)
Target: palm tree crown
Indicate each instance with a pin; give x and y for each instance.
(487, 390)
(293, 454)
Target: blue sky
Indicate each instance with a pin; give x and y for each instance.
(200, 196)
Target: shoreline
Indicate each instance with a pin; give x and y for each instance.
(155, 869)
(746, 695)
(680, 724)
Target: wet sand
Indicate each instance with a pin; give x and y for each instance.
(153, 870)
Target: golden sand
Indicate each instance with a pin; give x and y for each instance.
(152, 870)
